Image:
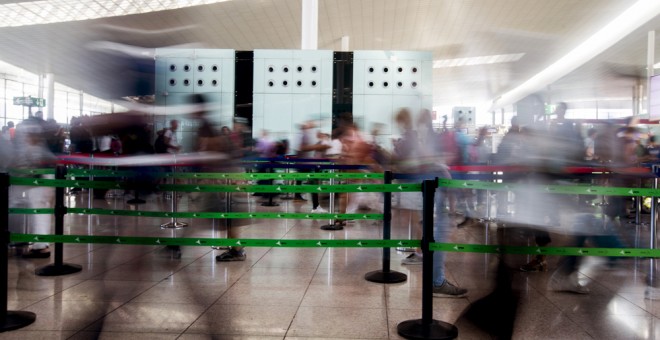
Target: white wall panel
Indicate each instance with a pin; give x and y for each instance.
(281, 109)
(408, 76)
(277, 114)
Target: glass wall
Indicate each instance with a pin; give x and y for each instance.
(68, 102)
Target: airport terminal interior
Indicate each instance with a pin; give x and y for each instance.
(329, 169)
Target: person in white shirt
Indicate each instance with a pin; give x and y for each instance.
(170, 137)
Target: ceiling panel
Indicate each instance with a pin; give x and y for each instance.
(542, 30)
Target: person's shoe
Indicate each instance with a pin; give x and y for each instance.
(37, 254)
(319, 210)
(231, 255)
(563, 283)
(299, 198)
(413, 259)
(468, 221)
(535, 265)
(448, 290)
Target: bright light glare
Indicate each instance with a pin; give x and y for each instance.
(52, 11)
(482, 60)
(634, 17)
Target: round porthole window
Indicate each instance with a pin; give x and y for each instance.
(399, 84)
(299, 83)
(400, 69)
(285, 69)
(172, 67)
(371, 70)
(214, 82)
(172, 82)
(200, 82)
(200, 68)
(271, 69)
(385, 69)
(186, 68)
(313, 83)
(371, 84)
(285, 83)
(271, 83)
(414, 70)
(214, 68)
(313, 68)
(414, 84)
(299, 68)
(186, 82)
(385, 84)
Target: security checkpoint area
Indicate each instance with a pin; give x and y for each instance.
(329, 169)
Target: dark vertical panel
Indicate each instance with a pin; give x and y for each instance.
(342, 87)
(243, 85)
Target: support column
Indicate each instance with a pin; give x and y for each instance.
(345, 40)
(650, 61)
(50, 96)
(310, 25)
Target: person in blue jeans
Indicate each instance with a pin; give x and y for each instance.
(442, 226)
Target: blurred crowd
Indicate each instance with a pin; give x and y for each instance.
(545, 148)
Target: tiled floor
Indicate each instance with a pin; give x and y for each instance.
(143, 292)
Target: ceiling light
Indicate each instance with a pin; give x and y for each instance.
(52, 11)
(482, 60)
(631, 19)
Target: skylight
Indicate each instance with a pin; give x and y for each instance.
(53, 11)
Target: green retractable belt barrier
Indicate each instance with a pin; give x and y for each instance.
(450, 247)
(338, 188)
(272, 215)
(550, 189)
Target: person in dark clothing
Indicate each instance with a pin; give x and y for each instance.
(81, 138)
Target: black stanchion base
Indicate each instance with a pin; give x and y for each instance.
(380, 276)
(16, 320)
(270, 204)
(55, 270)
(332, 227)
(413, 329)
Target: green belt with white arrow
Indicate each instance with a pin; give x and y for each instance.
(286, 243)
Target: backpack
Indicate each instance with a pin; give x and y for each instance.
(159, 144)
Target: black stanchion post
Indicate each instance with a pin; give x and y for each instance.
(59, 267)
(426, 327)
(385, 275)
(9, 320)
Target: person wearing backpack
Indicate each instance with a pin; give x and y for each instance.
(167, 141)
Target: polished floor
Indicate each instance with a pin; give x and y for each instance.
(144, 292)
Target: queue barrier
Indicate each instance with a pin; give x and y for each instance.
(425, 327)
(350, 243)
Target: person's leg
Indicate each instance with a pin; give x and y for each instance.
(538, 263)
(40, 197)
(442, 225)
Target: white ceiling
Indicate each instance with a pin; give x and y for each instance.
(541, 29)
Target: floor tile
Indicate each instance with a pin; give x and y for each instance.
(339, 323)
(145, 317)
(345, 296)
(54, 314)
(246, 294)
(245, 320)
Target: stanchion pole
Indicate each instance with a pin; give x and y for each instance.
(427, 327)
(9, 320)
(332, 225)
(173, 224)
(59, 267)
(385, 275)
(651, 292)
